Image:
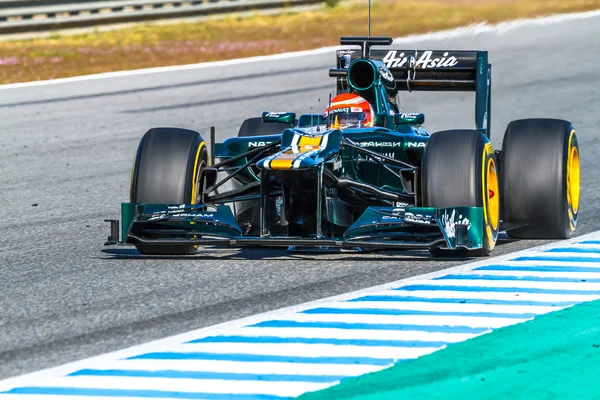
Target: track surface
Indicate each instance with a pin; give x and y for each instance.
(65, 158)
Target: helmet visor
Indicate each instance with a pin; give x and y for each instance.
(348, 118)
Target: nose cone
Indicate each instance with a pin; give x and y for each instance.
(303, 151)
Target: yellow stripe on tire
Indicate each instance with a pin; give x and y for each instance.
(573, 180)
(194, 198)
(491, 204)
(493, 194)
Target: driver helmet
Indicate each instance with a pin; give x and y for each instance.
(349, 110)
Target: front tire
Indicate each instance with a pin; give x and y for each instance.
(540, 178)
(166, 171)
(460, 170)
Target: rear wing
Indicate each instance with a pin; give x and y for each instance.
(426, 70)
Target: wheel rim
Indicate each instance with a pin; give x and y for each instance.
(199, 163)
(573, 179)
(197, 188)
(493, 202)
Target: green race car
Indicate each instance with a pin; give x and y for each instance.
(361, 176)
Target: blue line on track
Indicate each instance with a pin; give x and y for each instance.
(590, 242)
(387, 311)
(563, 259)
(209, 375)
(480, 289)
(463, 300)
(538, 268)
(311, 340)
(573, 250)
(385, 327)
(262, 358)
(516, 278)
(151, 394)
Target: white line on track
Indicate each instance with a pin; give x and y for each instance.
(491, 295)
(441, 307)
(447, 34)
(583, 286)
(249, 368)
(356, 334)
(308, 350)
(421, 320)
(535, 274)
(537, 263)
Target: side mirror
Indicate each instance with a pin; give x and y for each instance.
(310, 120)
(409, 118)
(281, 117)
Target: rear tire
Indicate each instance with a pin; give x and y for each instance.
(256, 127)
(540, 178)
(460, 170)
(166, 171)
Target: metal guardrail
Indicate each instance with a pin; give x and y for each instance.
(21, 16)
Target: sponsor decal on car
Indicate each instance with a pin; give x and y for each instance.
(194, 215)
(278, 205)
(378, 158)
(397, 214)
(343, 110)
(380, 144)
(386, 74)
(394, 60)
(337, 164)
(173, 213)
(158, 216)
(275, 114)
(449, 223)
(258, 144)
(418, 218)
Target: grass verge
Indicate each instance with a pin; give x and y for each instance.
(148, 46)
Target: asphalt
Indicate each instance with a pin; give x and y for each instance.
(65, 158)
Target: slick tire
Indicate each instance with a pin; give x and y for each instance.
(256, 127)
(540, 178)
(460, 170)
(166, 171)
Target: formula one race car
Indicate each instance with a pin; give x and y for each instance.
(362, 175)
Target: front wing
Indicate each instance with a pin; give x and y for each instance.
(391, 228)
